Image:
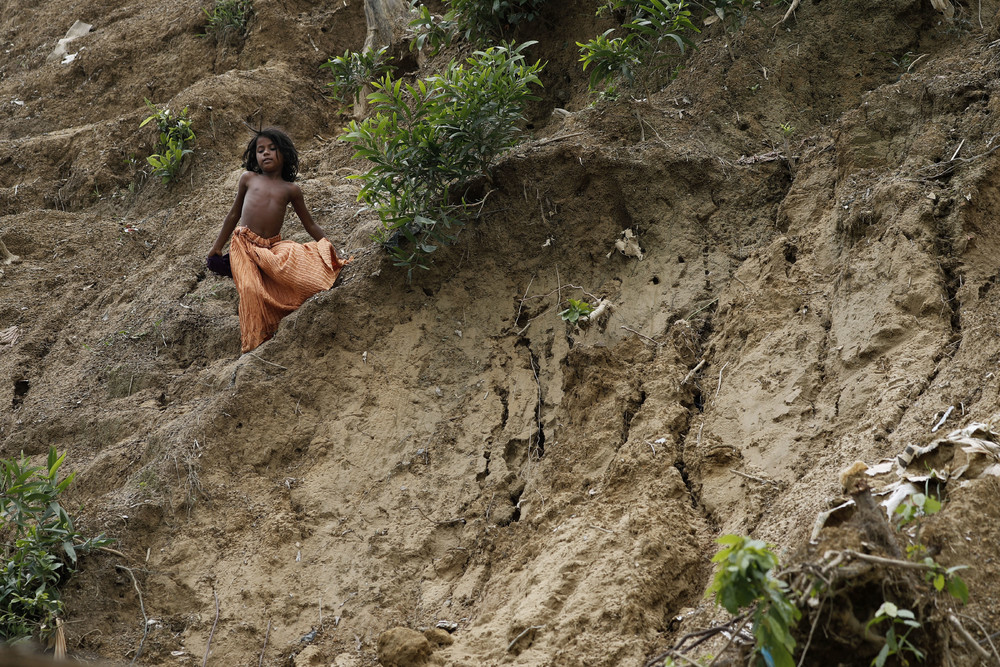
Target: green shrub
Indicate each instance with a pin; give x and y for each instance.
(733, 14)
(228, 19)
(639, 53)
(353, 70)
(40, 546)
(429, 142)
(478, 21)
(744, 578)
(175, 134)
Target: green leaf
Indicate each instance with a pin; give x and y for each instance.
(882, 656)
(958, 589)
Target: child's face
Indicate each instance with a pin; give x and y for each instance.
(268, 156)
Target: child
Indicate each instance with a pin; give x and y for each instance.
(273, 277)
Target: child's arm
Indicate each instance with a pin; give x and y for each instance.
(299, 204)
(233, 217)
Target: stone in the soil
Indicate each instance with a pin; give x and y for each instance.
(402, 647)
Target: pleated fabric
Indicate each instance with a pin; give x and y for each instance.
(274, 277)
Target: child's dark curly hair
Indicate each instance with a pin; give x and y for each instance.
(289, 158)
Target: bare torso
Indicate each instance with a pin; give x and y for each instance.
(265, 204)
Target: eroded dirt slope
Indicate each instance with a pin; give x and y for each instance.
(450, 449)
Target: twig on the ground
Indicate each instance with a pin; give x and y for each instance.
(640, 335)
(960, 144)
(947, 414)
(558, 288)
(107, 550)
(719, 388)
(891, 562)
(568, 286)
(559, 138)
(732, 638)
(266, 635)
(446, 522)
(989, 638)
(528, 629)
(271, 363)
(969, 639)
(142, 608)
(754, 478)
(521, 304)
(794, 6)
(812, 629)
(538, 408)
(692, 372)
(208, 646)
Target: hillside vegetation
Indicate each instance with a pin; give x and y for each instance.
(788, 225)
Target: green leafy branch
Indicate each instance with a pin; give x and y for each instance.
(41, 546)
(478, 21)
(228, 20)
(428, 143)
(175, 133)
(744, 578)
(638, 53)
(352, 71)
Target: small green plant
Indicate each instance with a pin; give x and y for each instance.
(904, 61)
(478, 21)
(733, 14)
(744, 579)
(912, 511)
(353, 70)
(945, 578)
(175, 134)
(228, 20)
(576, 310)
(917, 506)
(639, 53)
(900, 620)
(431, 141)
(40, 546)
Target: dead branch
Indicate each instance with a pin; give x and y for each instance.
(271, 363)
(530, 628)
(142, 608)
(692, 372)
(753, 478)
(985, 633)
(266, 635)
(559, 138)
(969, 639)
(641, 336)
(791, 10)
(208, 646)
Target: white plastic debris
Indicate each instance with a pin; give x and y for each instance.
(628, 245)
(78, 29)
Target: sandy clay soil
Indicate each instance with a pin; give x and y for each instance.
(450, 449)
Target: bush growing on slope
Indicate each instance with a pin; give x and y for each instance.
(354, 70)
(477, 21)
(228, 20)
(640, 54)
(171, 145)
(40, 546)
(429, 142)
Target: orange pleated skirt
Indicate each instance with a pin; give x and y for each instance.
(274, 277)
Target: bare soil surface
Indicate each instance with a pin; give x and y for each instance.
(451, 449)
